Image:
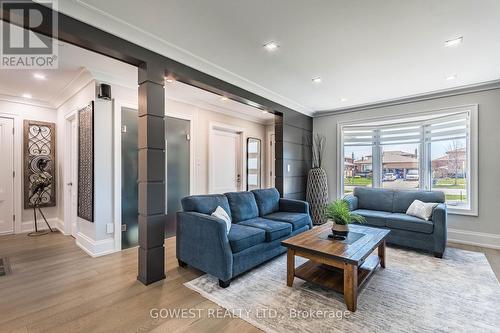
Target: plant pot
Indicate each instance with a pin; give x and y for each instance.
(340, 231)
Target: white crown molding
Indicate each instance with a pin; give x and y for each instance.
(468, 89)
(107, 22)
(80, 80)
(21, 100)
(222, 110)
(107, 78)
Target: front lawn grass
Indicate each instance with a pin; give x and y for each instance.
(357, 181)
(455, 197)
(450, 183)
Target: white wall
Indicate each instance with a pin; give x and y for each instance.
(80, 99)
(483, 229)
(92, 236)
(20, 111)
(103, 168)
(202, 119)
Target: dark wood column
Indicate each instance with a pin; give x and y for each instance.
(151, 145)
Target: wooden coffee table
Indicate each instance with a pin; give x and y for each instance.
(339, 265)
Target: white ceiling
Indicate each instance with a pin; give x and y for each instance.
(75, 68)
(365, 51)
(188, 94)
(78, 66)
(15, 83)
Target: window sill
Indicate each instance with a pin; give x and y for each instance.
(462, 211)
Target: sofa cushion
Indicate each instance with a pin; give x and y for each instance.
(403, 199)
(298, 220)
(409, 223)
(242, 237)
(243, 206)
(274, 229)
(373, 217)
(267, 200)
(205, 204)
(374, 198)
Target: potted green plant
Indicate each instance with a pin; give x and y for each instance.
(338, 211)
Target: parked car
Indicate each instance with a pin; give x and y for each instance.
(389, 177)
(412, 175)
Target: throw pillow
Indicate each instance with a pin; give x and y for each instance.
(421, 209)
(221, 214)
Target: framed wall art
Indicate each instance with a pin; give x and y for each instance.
(86, 163)
(39, 164)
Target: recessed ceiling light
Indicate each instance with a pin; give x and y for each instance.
(26, 95)
(224, 98)
(316, 79)
(271, 46)
(451, 77)
(39, 76)
(454, 41)
(169, 80)
(343, 99)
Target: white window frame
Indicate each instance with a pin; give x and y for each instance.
(425, 154)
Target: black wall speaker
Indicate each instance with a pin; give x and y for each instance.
(104, 91)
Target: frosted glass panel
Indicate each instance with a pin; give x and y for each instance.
(253, 147)
(253, 163)
(253, 180)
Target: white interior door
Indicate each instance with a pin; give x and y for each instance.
(71, 174)
(6, 176)
(225, 162)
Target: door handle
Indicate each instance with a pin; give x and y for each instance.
(69, 184)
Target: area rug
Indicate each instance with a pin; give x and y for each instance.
(415, 293)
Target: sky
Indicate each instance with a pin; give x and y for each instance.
(438, 149)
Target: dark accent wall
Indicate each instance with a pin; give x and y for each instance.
(293, 154)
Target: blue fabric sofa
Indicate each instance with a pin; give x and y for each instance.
(260, 221)
(386, 208)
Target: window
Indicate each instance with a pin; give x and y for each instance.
(401, 166)
(357, 167)
(433, 151)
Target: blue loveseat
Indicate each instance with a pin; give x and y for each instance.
(386, 208)
(260, 221)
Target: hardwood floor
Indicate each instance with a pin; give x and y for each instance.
(55, 287)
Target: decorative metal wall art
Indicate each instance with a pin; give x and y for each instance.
(86, 163)
(39, 164)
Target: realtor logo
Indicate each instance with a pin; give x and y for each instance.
(21, 48)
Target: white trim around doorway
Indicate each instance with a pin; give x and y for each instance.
(67, 228)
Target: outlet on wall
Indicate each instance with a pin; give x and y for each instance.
(110, 228)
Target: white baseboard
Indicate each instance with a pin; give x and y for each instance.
(95, 248)
(29, 226)
(474, 238)
(60, 227)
